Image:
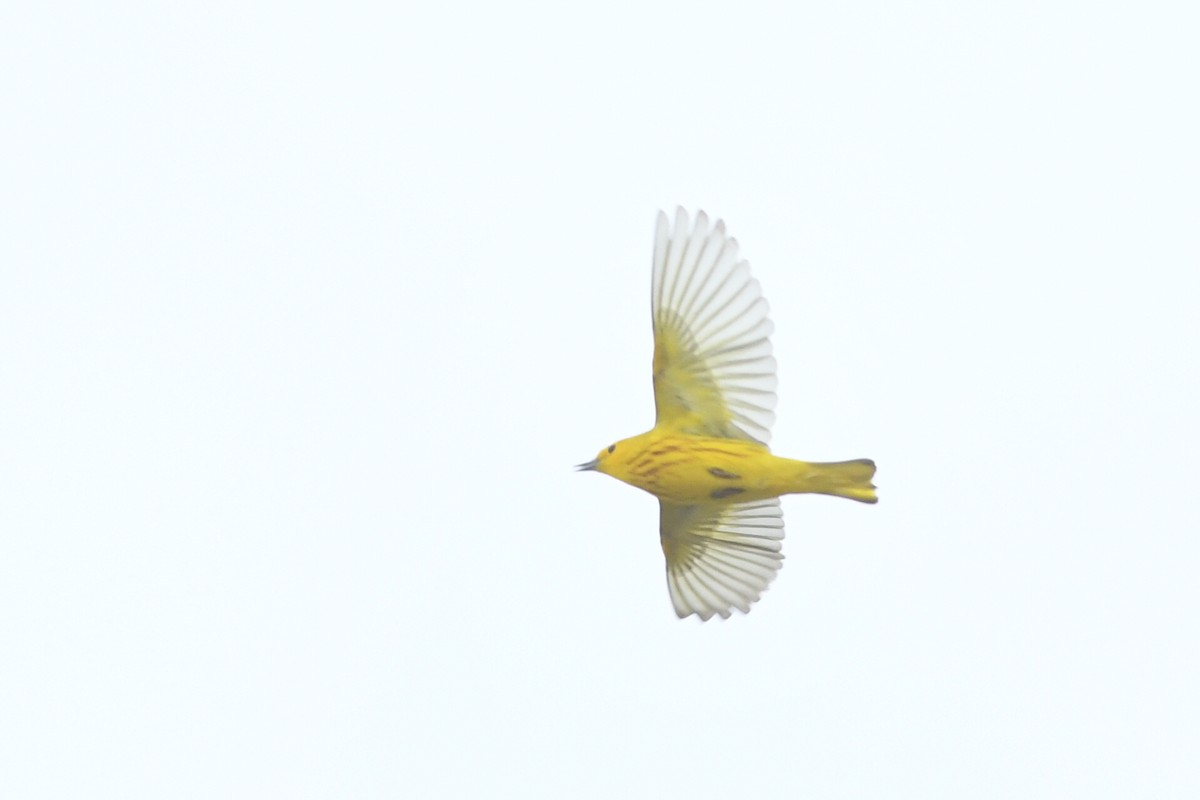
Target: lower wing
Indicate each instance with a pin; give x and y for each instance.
(720, 557)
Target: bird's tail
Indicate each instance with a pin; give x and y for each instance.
(839, 478)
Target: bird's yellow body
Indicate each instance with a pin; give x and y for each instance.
(706, 459)
(700, 470)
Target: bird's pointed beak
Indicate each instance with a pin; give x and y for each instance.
(595, 462)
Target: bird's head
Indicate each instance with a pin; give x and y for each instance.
(600, 462)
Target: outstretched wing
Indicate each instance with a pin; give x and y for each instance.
(720, 557)
(713, 370)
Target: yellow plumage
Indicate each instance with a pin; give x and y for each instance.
(706, 459)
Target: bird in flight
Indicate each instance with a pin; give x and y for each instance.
(706, 458)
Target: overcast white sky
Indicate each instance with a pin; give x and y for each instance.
(307, 310)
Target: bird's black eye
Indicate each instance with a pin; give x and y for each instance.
(612, 447)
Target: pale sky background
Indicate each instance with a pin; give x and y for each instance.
(307, 310)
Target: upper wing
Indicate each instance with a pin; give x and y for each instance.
(713, 370)
(720, 557)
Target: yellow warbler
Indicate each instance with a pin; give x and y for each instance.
(706, 459)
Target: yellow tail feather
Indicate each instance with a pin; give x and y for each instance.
(850, 479)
